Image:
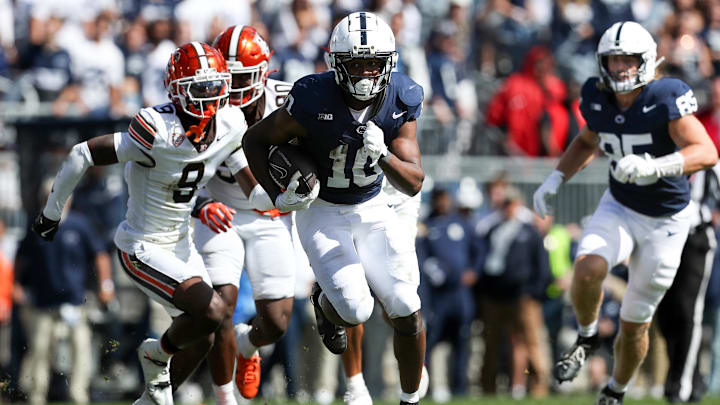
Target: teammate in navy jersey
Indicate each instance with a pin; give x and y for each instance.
(358, 123)
(647, 129)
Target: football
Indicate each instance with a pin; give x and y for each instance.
(284, 161)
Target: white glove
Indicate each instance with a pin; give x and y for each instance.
(291, 201)
(374, 141)
(644, 170)
(546, 191)
(259, 199)
(632, 168)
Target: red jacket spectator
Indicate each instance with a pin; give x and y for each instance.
(711, 121)
(530, 106)
(710, 117)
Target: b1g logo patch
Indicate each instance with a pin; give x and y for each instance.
(325, 117)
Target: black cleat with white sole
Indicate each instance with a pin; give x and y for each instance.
(333, 336)
(570, 363)
(609, 397)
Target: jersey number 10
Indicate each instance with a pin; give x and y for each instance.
(359, 177)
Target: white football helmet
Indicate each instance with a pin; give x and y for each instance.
(627, 38)
(362, 35)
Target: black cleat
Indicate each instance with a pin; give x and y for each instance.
(408, 403)
(609, 397)
(570, 363)
(333, 336)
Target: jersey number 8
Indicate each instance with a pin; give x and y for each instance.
(187, 186)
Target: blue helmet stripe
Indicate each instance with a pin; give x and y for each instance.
(363, 28)
(617, 36)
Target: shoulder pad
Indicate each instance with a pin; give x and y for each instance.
(590, 89)
(306, 91)
(410, 93)
(231, 112)
(231, 120)
(272, 82)
(143, 129)
(674, 95)
(591, 102)
(309, 82)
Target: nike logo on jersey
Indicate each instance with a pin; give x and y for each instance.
(398, 115)
(671, 233)
(648, 108)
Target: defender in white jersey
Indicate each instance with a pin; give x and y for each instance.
(257, 239)
(170, 151)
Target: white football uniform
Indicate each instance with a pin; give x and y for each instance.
(406, 207)
(653, 244)
(354, 240)
(355, 247)
(255, 241)
(163, 173)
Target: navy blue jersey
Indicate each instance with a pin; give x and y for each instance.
(642, 128)
(335, 138)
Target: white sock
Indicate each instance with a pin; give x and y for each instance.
(411, 398)
(157, 351)
(242, 337)
(225, 394)
(355, 383)
(588, 330)
(616, 386)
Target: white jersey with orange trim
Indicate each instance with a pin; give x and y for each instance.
(164, 187)
(223, 187)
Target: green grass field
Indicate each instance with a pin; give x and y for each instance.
(555, 400)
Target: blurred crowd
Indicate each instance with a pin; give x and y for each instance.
(500, 76)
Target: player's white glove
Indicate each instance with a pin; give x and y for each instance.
(292, 201)
(374, 141)
(644, 170)
(546, 191)
(260, 200)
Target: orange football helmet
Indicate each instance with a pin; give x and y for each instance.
(248, 59)
(197, 80)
